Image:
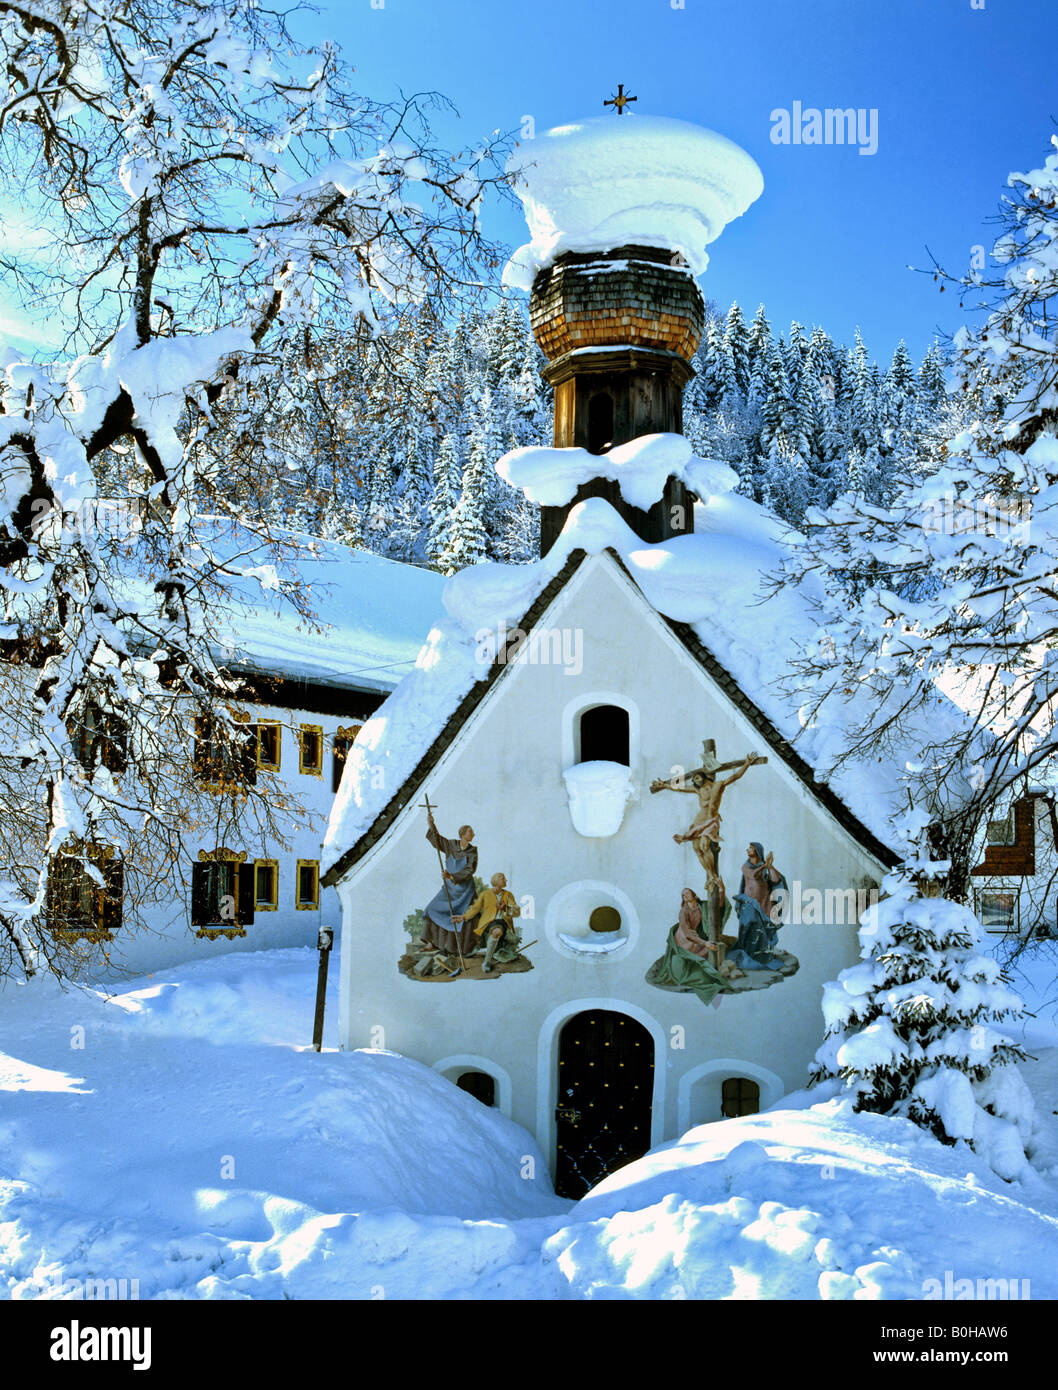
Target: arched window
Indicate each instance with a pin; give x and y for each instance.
(740, 1096)
(478, 1084)
(602, 735)
(600, 422)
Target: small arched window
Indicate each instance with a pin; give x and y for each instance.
(478, 1084)
(740, 1096)
(602, 735)
(600, 422)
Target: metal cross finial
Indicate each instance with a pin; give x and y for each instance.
(620, 101)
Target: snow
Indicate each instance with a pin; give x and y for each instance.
(803, 1203)
(714, 579)
(598, 793)
(365, 1174)
(369, 615)
(929, 1032)
(641, 467)
(345, 1172)
(365, 616)
(637, 180)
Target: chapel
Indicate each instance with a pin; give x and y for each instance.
(588, 865)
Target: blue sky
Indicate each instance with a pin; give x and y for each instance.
(963, 96)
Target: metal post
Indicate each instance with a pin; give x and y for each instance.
(326, 938)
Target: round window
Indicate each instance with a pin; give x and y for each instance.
(605, 919)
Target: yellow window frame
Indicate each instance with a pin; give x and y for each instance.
(261, 762)
(313, 770)
(259, 904)
(314, 865)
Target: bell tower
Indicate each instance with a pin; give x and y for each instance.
(620, 213)
(619, 329)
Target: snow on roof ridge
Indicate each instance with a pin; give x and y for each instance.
(550, 477)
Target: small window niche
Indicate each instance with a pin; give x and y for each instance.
(739, 1096)
(267, 885)
(269, 745)
(478, 1084)
(99, 738)
(997, 909)
(599, 783)
(343, 742)
(591, 919)
(223, 893)
(603, 734)
(600, 422)
(78, 906)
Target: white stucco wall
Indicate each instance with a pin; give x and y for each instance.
(503, 775)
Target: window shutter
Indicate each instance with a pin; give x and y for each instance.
(54, 901)
(245, 894)
(114, 878)
(200, 881)
(248, 757)
(341, 753)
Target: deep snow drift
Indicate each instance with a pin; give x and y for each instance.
(192, 1144)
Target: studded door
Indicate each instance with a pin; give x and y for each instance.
(605, 1085)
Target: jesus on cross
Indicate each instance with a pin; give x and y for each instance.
(704, 831)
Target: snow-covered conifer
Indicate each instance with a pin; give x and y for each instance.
(915, 1029)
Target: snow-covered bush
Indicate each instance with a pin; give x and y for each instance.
(911, 1029)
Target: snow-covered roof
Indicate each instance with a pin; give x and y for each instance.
(365, 617)
(369, 617)
(640, 180)
(713, 581)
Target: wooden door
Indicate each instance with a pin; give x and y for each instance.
(605, 1086)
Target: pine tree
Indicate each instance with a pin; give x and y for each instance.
(736, 348)
(910, 1030)
(725, 378)
(931, 385)
(706, 387)
(467, 540)
(796, 351)
(898, 407)
(379, 510)
(529, 414)
(777, 403)
(520, 541)
(759, 346)
(448, 474)
(787, 483)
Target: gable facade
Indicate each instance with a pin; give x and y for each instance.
(499, 766)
